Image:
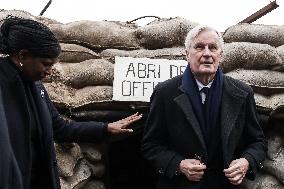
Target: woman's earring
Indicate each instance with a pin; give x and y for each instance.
(21, 64)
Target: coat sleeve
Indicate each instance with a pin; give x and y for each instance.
(72, 131)
(10, 174)
(155, 142)
(255, 151)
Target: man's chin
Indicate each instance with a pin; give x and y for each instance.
(209, 71)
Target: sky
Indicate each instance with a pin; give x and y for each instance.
(219, 14)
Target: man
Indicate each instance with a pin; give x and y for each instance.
(202, 131)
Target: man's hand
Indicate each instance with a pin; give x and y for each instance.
(121, 125)
(193, 169)
(237, 171)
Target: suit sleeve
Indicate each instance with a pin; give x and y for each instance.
(155, 144)
(72, 131)
(255, 151)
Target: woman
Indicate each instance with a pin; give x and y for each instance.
(32, 120)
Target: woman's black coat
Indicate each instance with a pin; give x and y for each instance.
(52, 126)
(10, 176)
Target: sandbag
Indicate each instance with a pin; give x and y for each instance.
(86, 73)
(67, 97)
(26, 15)
(46, 21)
(280, 51)
(91, 152)
(67, 157)
(263, 181)
(163, 33)
(95, 184)
(16, 13)
(275, 167)
(269, 102)
(82, 173)
(249, 56)
(73, 53)
(101, 115)
(98, 169)
(274, 146)
(85, 112)
(175, 53)
(278, 113)
(254, 33)
(262, 81)
(97, 35)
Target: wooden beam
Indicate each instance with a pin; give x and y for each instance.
(44, 9)
(268, 8)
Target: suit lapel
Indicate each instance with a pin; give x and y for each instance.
(184, 103)
(232, 101)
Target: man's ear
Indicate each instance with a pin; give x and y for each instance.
(187, 54)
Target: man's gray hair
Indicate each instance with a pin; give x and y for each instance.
(192, 34)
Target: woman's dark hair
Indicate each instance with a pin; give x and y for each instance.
(18, 33)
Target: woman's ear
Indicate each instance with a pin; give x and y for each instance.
(23, 54)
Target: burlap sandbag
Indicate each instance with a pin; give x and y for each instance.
(67, 97)
(97, 34)
(249, 56)
(274, 146)
(280, 51)
(275, 167)
(16, 13)
(95, 184)
(175, 53)
(86, 73)
(75, 53)
(263, 181)
(266, 34)
(26, 15)
(46, 20)
(102, 115)
(91, 152)
(164, 33)
(278, 114)
(269, 102)
(263, 81)
(98, 169)
(82, 174)
(67, 156)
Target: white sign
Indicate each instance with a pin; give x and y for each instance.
(135, 78)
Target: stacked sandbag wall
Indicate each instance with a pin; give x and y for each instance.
(254, 54)
(81, 83)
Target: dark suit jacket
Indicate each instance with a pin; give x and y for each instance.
(172, 131)
(52, 126)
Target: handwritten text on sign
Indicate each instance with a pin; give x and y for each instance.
(135, 78)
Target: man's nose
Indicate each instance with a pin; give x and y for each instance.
(206, 52)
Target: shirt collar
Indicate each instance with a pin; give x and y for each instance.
(200, 85)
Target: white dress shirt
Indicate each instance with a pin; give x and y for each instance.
(200, 86)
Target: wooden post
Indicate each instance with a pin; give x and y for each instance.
(268, 8)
